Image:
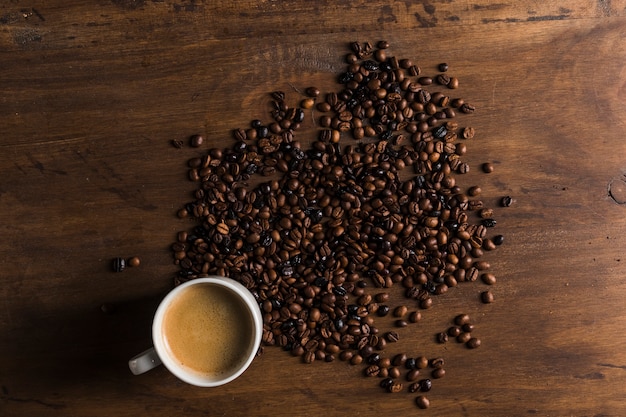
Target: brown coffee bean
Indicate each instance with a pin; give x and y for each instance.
(438, 373)
(463, 337)
(392, 336)
(422, 402)
(133, 262)
(412, 375)
(462, 319)
(415, 316)
(473, 343)
(400, 311)
(421, 362)
(487, 167)
(488, 278)
(454, 331)
(487, 297)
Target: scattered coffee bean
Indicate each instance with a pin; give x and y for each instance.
(487, 167)
(506, 201)
(454, 331)
(473, 343)
(461, 319)
(412, 375)
(487, 297)
(400, 311)
(498, 240)
(118, 264)
(196, 141)
(422, 402)
(415, 316)
(438, 373)
(326, 223)
(425, 385)
(133, 262)
(463, 337)
(488, 278)
(442, 337)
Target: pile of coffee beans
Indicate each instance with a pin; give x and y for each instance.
(321, 229)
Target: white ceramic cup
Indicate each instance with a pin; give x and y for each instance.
(159, 354)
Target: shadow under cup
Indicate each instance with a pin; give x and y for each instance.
(207, 331)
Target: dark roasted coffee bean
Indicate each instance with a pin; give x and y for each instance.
(498, 240)
(410, 363)
(196, 141)
(425, 385)
(473, 343)
(385, 383)
(441, 337)
(487, 297)
(506, 201)
(118, 264)
(392, 336)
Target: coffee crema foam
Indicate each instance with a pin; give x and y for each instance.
(208, 330)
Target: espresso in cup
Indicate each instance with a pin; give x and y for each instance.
(208, 330)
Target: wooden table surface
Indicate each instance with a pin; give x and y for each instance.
(93, 93)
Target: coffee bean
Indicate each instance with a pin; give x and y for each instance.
(463, 337)
(467, 327)
(441, 337)
(473, 343)
(310, 229)
(118, 264)
(133, 262)
(462, 319)
(414, 387)
(498, 240)
(400, 311)
(487, 167)
(422, 402)
(412, 375)
(312, 92)
(437, 363)
(415, 316)
(386, 382)
(196, 141)
(395, 387)
(438, 373)
(506, 201)
(421, 362)
(425, 385)
(454, 331)
(488, 278)
(487, 297)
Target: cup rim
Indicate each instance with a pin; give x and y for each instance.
(255, 313)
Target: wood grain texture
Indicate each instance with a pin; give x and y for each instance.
(93, 93)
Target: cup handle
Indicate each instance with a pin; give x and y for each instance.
(144, 362)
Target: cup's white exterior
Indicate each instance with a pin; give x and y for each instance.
(181, 373)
